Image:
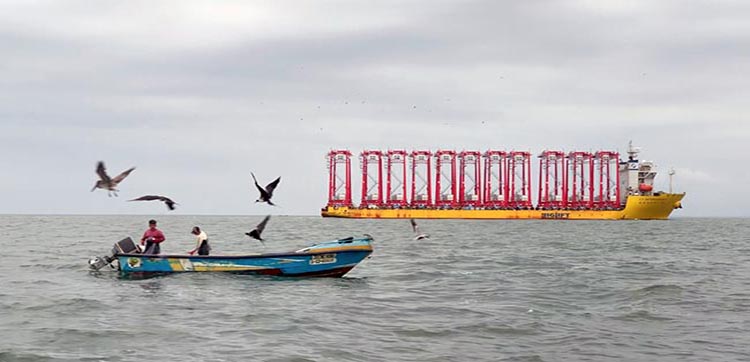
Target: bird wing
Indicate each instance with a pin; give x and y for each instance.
(262, 224)
(414, 226)
(102, 172)
(169, 202)
(272, 186)
(170, 205)
(123, 175)
(263, 193)
(150, 198)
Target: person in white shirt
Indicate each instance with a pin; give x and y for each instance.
(201, 243)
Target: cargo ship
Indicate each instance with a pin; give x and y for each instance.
(497, 184)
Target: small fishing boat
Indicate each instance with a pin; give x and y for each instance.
(327, 259)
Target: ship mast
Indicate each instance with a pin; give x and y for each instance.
(633, 151)
(671, 173)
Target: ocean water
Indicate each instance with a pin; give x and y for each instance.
(501, 290)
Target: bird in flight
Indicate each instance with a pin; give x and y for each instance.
(107, 183)
(415, 228)
(255, 234)
(266, 193)
(170, 204)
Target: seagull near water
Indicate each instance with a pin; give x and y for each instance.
(255, 233)
(107, 183)
(266, 193)
(415, 228)
(167, 201)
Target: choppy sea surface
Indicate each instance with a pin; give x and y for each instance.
(500, 290)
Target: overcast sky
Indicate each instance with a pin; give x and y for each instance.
(197, 94)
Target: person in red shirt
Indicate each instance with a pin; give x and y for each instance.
(152, 237)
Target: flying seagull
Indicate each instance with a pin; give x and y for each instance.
(415, 228)
(170, 204)
(107, 183)
(267, 193)
(255, 234)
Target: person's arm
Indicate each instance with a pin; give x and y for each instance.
(144, 237)
(198, 241)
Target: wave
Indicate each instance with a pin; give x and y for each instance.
(659, 289)
(67, 305)
(10, 356)
(640, 315)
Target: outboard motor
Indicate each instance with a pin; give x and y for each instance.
(124, 246)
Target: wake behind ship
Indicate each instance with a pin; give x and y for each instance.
(498, 185)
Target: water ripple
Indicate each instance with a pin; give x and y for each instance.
(493, 290)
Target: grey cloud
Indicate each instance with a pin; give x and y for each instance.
(196, 102)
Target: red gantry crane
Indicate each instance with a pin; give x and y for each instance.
(607, 175)
(519, 170)
(421, 179)
(445, 178)
(495, 179)
(552, 186)
(469, 189)
(339, 187)
(580, 176)
(371, 162)
(396, 178)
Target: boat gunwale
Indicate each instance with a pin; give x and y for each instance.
(360, 248)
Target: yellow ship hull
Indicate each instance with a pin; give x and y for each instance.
(655, 207)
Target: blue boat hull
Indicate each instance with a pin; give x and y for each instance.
(329, 259)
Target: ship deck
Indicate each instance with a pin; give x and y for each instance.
(653, 207)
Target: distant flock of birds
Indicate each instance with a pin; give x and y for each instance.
(110, 184)
(266, 193)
